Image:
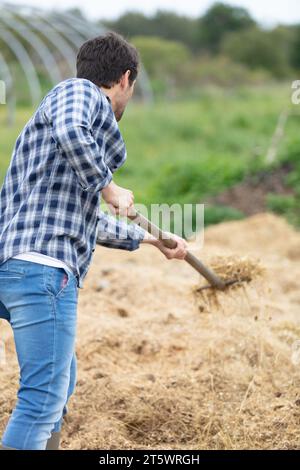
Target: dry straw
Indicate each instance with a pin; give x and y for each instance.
(242, 270)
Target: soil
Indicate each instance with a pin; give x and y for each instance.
(250, 196)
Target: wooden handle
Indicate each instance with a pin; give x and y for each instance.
(169, 242)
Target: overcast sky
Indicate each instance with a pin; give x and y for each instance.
(268, 12)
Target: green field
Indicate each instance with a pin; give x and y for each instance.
(187, 150)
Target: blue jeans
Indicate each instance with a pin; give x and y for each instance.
(40, 303)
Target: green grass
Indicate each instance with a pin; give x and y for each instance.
(189, 149)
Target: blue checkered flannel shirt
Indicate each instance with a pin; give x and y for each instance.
(51, 194)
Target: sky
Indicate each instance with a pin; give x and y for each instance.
(267, 12)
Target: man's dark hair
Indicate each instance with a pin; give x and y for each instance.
(104, 59)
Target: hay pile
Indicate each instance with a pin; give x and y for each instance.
(156, 371)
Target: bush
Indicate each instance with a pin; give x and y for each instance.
(259, 48)
(162, 59)
(216, 214)
(289, 206)
(220, 71)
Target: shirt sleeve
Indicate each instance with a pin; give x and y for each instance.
(71, 111)
(114, 233)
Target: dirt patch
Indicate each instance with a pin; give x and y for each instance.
(250, 195)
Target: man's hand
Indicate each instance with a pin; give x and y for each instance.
(119, 200)
(170, 253)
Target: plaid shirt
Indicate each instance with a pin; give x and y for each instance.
(50, 198)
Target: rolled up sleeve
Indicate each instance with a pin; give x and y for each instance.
(114, 233)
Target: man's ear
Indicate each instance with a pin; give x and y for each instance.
(124, 82)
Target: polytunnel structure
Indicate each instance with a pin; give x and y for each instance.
(38, 46)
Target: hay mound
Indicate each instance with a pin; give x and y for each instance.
(155, 373)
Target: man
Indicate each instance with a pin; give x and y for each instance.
(50, 222)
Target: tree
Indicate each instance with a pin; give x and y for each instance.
(163, 24)
(175, 27)
(130, 24)
(295, 52)
(219, 20)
